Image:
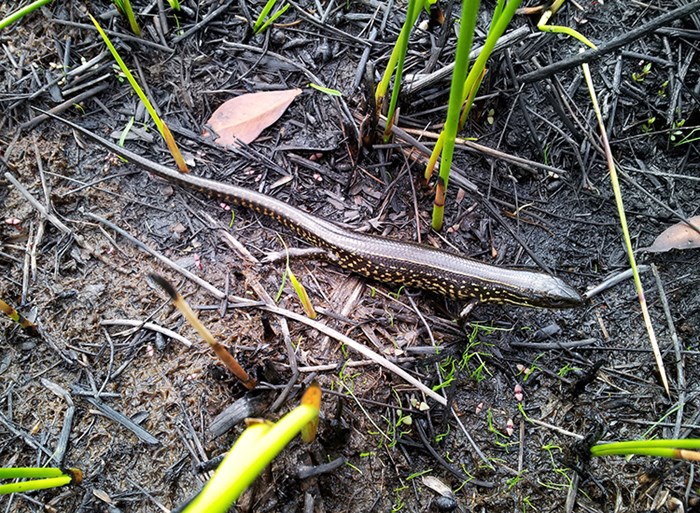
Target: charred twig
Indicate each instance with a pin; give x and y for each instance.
(360, 348)
(307, 471)
(55, 221)
(416, 84)
(124, 37)
(612, 45)
(250, 405)
(62, 444)
(612, 281)
(77, 71)
(149, 326)
(286, 336)
(122, 419)
(168, 262)
(203, 22)
(461, 476)
(61, 107)
(26, 437)
(680, 360)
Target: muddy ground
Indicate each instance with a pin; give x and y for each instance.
(531, 387)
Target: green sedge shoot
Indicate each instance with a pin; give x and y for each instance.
(39, 478)
(162, 127)
(260, 24)
(253, 451)
(124, 8)
(325, 90)
(21, 13)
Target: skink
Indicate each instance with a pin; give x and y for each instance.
(385, 260)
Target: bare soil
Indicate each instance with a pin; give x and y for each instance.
(586, 374)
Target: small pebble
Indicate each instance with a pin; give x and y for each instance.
(445, 503)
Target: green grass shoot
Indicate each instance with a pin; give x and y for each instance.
(39, 478)
(470, 11)
(325, 90)
(302, 294)
(685, 449)
(625, 229)
(298, 287)
(252, 452)
(162, 127)
(174, 4)
(260, 24)
(463, 92)
(544, 19)
(401, 47)
(688, 138)
(21, 13)
(396, 62)
(124, 8)
(125, 133)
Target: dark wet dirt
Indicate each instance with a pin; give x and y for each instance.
(583, 372)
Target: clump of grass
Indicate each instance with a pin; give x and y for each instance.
(396, 62)
(124, 8)
(462, 92)
(398, 56)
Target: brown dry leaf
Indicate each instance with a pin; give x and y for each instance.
(244, 117)
(678, 236)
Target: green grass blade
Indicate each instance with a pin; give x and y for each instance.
(36, 484)
(470, 11)
(53, 478)
(263, 14)
(124, 7)
(467, 90)
(30, 472)
(21, 13)
(383, 85)
(162, 127)
(302, 295)
(676, 454)
(325, 90)
(402, 47)
(272, 19)
(251, 454)
(497, 28)
(687, 443)
(625, 229)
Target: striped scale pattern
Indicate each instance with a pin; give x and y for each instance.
(405, 263)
